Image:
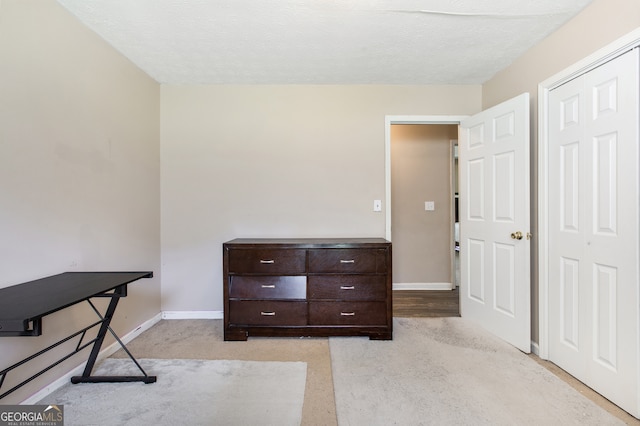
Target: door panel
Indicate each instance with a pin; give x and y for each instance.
(476, 195)
(567, 115)
(475, 270)
(494, 204)
(593, 229)
(504, 255)
(569, 186)
(504, 192)
(569, 304)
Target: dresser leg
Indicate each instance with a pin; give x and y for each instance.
(235, 335)
(381, 336)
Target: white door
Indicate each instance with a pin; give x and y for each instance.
(593, 229)
(494, 221)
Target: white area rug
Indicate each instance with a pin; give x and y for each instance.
(188, 392)
(445, 371)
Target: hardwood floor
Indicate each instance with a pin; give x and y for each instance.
(426, 303)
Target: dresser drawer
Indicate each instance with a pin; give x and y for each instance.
(348, 287)
(267, 287)
(347, 313)
(267, 261)
(347, 261)
(257, 312)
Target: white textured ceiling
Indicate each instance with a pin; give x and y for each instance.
(323, 41)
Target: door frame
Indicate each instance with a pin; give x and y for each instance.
(389, 120)
(455, 196)
(612, 50)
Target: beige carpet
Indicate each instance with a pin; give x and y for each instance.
(202, 339)
(445, 371)
(188, 392)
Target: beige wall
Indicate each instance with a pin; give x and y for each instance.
(79, 171)
(421, 171)
(274, 161)
(599, 24)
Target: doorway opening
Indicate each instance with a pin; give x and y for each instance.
(419, 149)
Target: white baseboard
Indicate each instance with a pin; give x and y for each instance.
(422, 286)
(173, 315)
(104, 353)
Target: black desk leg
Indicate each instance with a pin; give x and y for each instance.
(86, 377)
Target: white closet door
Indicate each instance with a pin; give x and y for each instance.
(593, 229)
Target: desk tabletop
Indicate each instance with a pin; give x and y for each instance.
(35, 299)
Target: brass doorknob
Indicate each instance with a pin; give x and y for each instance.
(516, 235)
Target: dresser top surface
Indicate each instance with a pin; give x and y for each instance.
(308, 242)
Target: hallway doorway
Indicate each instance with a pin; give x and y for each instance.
(422, 205)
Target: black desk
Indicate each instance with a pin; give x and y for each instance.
(23, 306)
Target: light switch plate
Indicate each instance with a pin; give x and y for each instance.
(429, 206)
(377, 205)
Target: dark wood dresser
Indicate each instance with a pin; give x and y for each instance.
(307, 287)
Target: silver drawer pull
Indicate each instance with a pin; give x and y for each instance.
(347, 261)
(348, 314)
(268, 286)
(268, 314)
(267, 261)
(347, 287)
